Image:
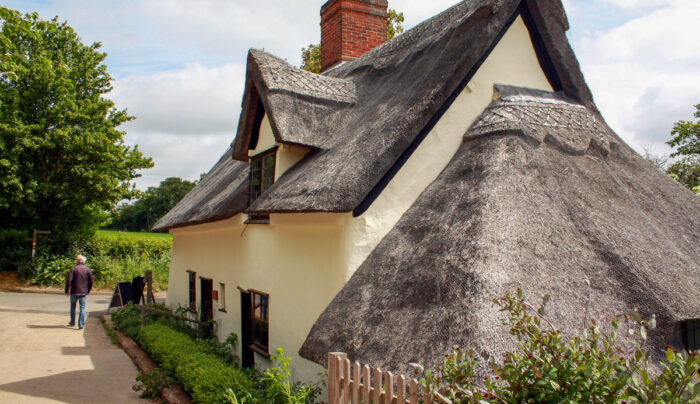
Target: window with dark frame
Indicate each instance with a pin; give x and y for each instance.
(691, 334)
(193, 290)
(262, 173)
(261, 322)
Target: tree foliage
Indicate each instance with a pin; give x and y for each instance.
(151, 205)
(686, 140)
(311, 56)
(63, 163)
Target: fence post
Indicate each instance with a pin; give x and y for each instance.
(332, 377)
(149, 285)
(143, 315)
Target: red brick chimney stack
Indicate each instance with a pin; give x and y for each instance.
(350, 28)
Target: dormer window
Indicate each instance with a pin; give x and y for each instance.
(262, 172)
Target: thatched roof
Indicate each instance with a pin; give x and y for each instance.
(222, 193)
(540, 196)
(363, 119)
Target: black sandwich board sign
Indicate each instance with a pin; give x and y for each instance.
(128, 292)
(123, 294)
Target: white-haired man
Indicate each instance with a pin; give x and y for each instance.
(78, 285)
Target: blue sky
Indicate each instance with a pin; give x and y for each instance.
(179, 65)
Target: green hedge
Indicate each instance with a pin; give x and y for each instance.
(201, 374)
(112, 259)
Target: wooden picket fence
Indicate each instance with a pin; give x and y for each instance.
(356, 383)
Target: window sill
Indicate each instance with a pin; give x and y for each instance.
(223, 310)
(260, 350)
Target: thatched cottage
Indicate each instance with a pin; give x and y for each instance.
(378, 207)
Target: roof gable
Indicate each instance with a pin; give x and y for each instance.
(403, 87)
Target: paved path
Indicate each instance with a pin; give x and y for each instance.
(42, 360)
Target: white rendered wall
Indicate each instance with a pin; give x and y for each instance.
(287, 154)
(303, 260)
(513, 61)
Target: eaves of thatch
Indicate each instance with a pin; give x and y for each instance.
(221, 194)
(541, 196)
(362, 120)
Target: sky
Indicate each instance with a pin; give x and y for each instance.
(179, 65)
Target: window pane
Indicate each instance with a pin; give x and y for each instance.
(268, 172)
(255, 191)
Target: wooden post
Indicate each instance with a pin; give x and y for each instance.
(345, 394)
(143, 316)
(377, 385)
(149, 285)
(389, 389)
(33, 239)
(366, 384)
(334, 360)
(356, 383)
(413, 391)
(400, 389)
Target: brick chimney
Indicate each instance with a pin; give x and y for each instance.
(350, 28)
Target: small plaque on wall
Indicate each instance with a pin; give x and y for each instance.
(215, 294)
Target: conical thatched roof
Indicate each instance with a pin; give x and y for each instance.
(540, 196)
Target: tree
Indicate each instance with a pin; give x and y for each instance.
(311, 56)
(63, 163)
(151, 205)
(686, 138)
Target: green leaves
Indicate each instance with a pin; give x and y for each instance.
(686, 138)
(63, 162)
(547, 367)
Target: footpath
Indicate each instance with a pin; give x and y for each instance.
(46, 361)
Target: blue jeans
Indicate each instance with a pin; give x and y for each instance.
(81, 318)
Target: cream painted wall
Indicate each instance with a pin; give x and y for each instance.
(296, 259)
(303, 260)
(287, 154)
(513, 61)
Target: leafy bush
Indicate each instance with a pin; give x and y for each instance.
(13, 249)
(547, 367)
(127, 319)
(201, 374)
(151, 383)
(277, 386)
(112, 260)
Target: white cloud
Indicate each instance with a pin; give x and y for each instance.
(192, 101)
(636, 4)
(645, 74)
(185, 118)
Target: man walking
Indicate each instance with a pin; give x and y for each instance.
(78, 285)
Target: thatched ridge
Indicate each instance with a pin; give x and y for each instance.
(538, 202)
(360, 119)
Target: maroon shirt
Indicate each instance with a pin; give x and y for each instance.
(79, 280)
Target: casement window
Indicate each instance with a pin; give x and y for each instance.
(193, 290)
(262, 172)
(261, 322)
(691, 334)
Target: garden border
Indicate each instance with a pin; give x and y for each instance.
(171, 395)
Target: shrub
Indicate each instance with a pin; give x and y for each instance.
(548, 367)
(278, 388)
(201, 374)
(151, 383)
(14, 250)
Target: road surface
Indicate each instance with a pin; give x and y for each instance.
(43, 360)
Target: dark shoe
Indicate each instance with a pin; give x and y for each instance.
(71, 324)
(80, 328)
